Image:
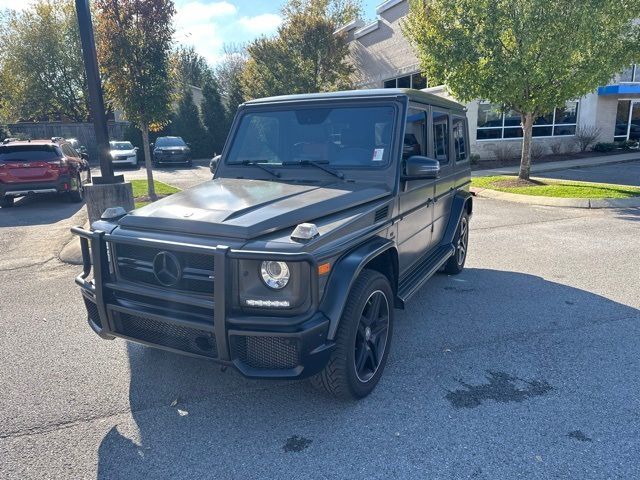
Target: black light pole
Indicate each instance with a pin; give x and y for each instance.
(95, 94)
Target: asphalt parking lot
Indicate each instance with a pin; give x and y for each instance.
(627, 173)
(527, 365)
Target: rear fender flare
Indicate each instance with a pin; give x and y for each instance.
(462, 201)
(344, 274)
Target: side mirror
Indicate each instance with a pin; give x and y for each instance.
(84, 156)
(417, 167)
(188, 145)
(151, 145)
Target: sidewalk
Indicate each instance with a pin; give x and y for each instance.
(561, 165)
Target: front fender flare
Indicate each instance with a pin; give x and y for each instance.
(344, 274)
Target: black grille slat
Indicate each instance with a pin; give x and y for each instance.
(135, 264)
(266, 352)
(381, 214)
(92, 311)
(157, 332)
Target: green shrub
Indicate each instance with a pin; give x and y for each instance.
(604, 147)
(474, 158)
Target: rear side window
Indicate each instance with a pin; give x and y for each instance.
(29, 153)
(441, 136)
(460, 147)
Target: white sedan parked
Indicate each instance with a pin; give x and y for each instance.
(123, 153)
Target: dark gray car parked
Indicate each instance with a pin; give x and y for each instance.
(320, 220)
(171, 150)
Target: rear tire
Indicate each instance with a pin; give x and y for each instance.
(77, 195)
(7, 202)
(456, 262)
(362, 341)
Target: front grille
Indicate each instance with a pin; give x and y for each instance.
(92, 311)
(263, 352)
(157, 332)
(135, 263)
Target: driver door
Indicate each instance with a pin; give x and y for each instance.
(416, 196)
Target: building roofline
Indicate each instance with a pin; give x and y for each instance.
(367, 29)
(357, 23)
(384, 6)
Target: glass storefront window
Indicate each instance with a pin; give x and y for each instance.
(622, 119)
(416, 81)
(494, 123)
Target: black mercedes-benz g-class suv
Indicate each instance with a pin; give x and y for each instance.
(326, 212)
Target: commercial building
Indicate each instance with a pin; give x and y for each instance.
(383, 58)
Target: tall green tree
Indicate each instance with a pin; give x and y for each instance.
(134, 43)
(229, 73)
(189, 67)
(186, 124)
(41, 69)
(529, 55)
(214, 115)
(305, 55)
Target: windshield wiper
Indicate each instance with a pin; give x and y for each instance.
(259, 164)
(321, 164)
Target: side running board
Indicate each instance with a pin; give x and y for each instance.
(419, 275)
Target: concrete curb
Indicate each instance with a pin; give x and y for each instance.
(558, 202)
(70, 252)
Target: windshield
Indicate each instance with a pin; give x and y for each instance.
(340, 136)
(121, 145)
(29, 153)
(170, 142)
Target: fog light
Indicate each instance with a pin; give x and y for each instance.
(252, 302)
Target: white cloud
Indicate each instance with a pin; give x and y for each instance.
(196, 24)
(207, 26)
(261, 24)
(14, 4)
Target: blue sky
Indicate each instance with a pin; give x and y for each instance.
(208, 24)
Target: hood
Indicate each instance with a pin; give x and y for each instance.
(246, 209)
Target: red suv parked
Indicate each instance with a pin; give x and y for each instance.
(41, 166)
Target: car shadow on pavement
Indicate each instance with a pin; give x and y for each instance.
(630, 214)
(487, 331)
(38, 210)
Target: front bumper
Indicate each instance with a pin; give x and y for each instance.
(131, 161)
(172, 158)
(197, 325)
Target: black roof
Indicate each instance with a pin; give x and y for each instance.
(414, 95)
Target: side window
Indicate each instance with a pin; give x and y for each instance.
(66, 150)
(460, 139)
(441, 136)
(414, 134)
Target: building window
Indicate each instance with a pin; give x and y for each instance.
(494, 123)
(630, 74)
(415, 80)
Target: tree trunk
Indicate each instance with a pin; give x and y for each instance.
(525, 159)
(147, 163)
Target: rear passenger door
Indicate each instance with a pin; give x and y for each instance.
(416, 196)
(445, 185)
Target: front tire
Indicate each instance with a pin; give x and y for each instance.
(455, 264)
(362, 341)
(7, 202)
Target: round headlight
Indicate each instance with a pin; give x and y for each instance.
(275, 274)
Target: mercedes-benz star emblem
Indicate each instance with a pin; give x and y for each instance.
(167, 269)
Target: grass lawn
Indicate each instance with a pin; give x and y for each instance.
(140, 191)
(556, 188)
